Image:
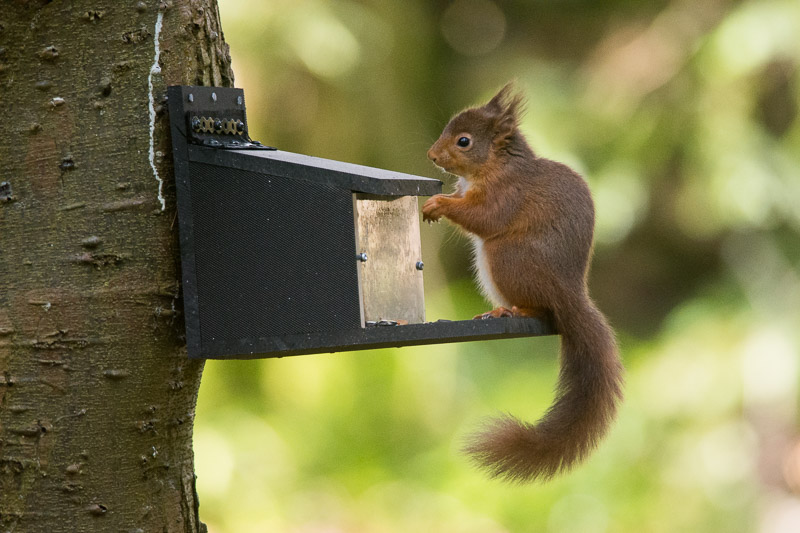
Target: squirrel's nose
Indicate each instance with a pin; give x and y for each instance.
(431, 156)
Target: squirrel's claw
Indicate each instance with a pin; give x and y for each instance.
(432, 209)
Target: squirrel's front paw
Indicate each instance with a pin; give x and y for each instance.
(432, 209)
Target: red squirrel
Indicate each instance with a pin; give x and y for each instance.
(531, 221)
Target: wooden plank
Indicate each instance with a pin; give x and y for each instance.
(387, 231)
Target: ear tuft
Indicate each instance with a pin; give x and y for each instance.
(506, 107)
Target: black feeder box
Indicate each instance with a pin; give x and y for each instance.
(287, 254)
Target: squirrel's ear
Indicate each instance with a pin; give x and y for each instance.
(505, 108)
(498, 104)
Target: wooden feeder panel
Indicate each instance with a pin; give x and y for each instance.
(387, 232)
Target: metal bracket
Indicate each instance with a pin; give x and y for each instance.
(216, 119)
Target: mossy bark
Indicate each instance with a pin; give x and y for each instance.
(97, 396)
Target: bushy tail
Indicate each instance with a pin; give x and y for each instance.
(588, 392)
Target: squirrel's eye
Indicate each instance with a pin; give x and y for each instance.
(463, 142)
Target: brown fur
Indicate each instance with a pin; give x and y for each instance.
(536, 220)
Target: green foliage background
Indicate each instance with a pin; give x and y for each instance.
(683, 117)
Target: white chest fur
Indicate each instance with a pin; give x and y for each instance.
(483, 272)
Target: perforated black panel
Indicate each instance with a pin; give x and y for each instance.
(273, 256)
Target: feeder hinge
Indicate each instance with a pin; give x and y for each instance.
(217, 118)
(221, 132)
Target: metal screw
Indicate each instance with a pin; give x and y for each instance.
(240, 126)
(361, 257)
(196, 124)
(420, 265)
(218, 125)
(191, 98)
(239, 100)
(214, 96)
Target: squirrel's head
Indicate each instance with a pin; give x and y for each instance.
(476, 135)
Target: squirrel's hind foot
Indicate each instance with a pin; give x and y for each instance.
(500, 312)
(503, 312)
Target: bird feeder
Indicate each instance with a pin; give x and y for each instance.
(288, 254)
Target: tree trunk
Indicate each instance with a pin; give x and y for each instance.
(97, 396)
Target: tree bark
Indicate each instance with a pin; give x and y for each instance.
(97, 395)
